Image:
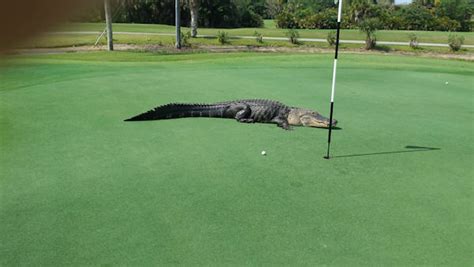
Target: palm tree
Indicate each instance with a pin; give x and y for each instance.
(358, 10)
(369, 26)
(194, 9)
(108, 22)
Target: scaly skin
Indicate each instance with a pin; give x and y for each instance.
(249, 110)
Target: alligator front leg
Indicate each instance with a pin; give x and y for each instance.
(283, 123)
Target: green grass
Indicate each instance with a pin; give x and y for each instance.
(270, 31)
(78, 186)
(269, 24)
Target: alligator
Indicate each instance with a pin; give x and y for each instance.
(249, 111)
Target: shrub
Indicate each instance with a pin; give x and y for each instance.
(326, 19)
(291, 15)
(258, 37)
(293, 36)
(413, 40)
(455, 42)
(222, 37)
(394, 22)
(185, 39)
(250, 19)
(446, 24)
(286, 20)
(458, 10)
(331, 38)
(369, 27)
(416, 17)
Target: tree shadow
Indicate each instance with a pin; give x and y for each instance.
(410, 149)
(382, 48)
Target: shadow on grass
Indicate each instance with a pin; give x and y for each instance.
(334, 128)
(382, 48)
(409, 149)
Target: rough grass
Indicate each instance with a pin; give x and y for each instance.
(68, 40)
(269, 31)
(71, 40)
(79, 186)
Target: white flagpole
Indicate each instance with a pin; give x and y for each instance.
(333, 89)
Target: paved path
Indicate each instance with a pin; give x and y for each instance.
(266, 38)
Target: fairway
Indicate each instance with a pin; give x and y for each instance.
(78, 186)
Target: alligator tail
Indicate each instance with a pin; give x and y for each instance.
(177, 110)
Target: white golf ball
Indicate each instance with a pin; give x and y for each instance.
(264, 153)
(446, 82)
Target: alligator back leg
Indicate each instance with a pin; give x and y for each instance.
(242, 112)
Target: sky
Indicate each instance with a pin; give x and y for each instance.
(401, 2)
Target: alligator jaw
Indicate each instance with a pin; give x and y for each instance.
(308, 118)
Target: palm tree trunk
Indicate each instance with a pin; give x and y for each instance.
(194, 8)
(108, 22)
(178, 24)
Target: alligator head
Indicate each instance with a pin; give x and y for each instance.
(309, 118)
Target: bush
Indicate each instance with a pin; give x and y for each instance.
(285, 20)
(458, 10)
(293, 36)
(331, 38)
(292, 15)
(443, 15)
(416, 17)
(455, 42)
(446, 24)
(185, 39)
(394, 22)
(258, 37)
(222, 37)
(413, 40)
(326, 19)
(250, 19)
(369, 27)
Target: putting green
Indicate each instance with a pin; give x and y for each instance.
(79, 186)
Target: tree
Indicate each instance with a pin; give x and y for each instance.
(178, 24)
(417, 17)
(274, 7)
(194, 11)
(108, 22)
(369, 26)
(359, 10)
(459, 10)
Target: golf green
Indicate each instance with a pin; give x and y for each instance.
(78, 186)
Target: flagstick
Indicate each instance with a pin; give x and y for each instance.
(339, 11)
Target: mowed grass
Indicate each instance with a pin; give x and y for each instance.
(79, 186)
